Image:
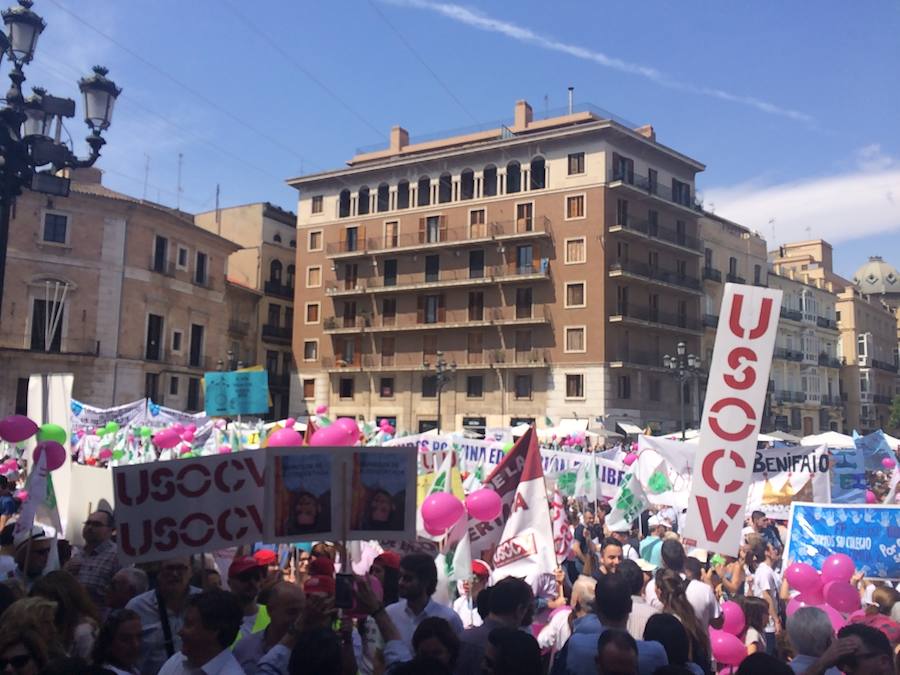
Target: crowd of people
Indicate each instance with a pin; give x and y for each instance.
(621, 606)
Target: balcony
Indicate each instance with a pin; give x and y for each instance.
(164, 267)
(884, 365)
(657, 233)
(68, 345)
(278, 334)
(643, 185)
(416, 361)
(824, 322)
(631, 358)
(712, 274)
(791, 314)
(788, 354)
(881, 399)
(710, 321)
(508, 316)
(278, 289)
(539, 270)
(829, 361)
(475, 235)
(735, 279)
(646, 316)
(831, 401)
(789, 397)
(643, 271)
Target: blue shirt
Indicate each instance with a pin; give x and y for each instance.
(8, 505)
(578, 654)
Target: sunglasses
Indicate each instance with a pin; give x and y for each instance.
(15, 661)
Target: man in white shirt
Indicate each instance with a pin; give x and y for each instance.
(700, 595)
(765, 586)
(418, 581)
(211, 623)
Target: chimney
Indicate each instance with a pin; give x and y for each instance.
(524, 115)
(647, 131)
(399, 138)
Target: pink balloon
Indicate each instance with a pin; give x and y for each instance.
(321, 409)
(285, 438)
(837, 619)
(224, 449)
(803, 577)
(871, 498)
(56, 454)
(17, 428)
(856, 616)
(80, 433)
(165, 439)
(332, 435)
(432, 531)
(630, 459)
(187, 436)
(838, 567)
(727, 648)
(888, 463)
(21, 495)
(441, 510)
(178, 428)
(349, 425)
(184, 449)
(104, 455)
(388, 429)
(191, 427)
(733, 618)
(842, 596)
(289, 422)
(484, 504)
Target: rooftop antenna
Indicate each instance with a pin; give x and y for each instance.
(546, 106)
(146, 174)
(218, 212)
(178, 193)
(571, 95)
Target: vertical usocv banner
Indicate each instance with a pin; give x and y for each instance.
(732, 415)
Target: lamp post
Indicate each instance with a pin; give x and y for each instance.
(31, 151)
(683, 367)
(443, 373)
(233, 364)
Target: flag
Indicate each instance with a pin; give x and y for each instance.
(526, 545)
(586, 481)
(459, 567)
(40, 507)
(562, 531)
(311, 428)
(628, 504)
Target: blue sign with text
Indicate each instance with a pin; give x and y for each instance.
(240, 392)
(869, 534)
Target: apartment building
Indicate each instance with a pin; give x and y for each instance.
(266, 263)
(879, 279)
(125, 294)
(550, 264)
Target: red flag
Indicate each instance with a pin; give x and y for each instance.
(311, 428)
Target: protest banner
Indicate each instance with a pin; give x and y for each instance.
(189, 506)
(735, 395)
(91, 489)
(238, 392)
(869, 534)
(302, 502)
(383, 490)
(783, 475)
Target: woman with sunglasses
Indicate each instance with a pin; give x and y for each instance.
(22, 650)
(118, 646)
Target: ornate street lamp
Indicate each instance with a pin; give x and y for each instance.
(444, 373)
(684, 367)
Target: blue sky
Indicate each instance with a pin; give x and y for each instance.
(793, 111)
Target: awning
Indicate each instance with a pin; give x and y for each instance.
(569, 425)
(630, 428)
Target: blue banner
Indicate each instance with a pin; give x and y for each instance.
(869, 534)
(240, 392)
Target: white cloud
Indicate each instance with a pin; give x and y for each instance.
(484, 22)
(836, 208)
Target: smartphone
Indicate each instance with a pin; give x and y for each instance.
(343, 591)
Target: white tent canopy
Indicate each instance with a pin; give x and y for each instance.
(569, 425)
(893, 442)
(830, 439)
(629, 428)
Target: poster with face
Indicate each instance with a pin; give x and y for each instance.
(301, 504)
(383, 493)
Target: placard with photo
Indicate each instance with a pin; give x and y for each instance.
(301, 504)
(382, 493)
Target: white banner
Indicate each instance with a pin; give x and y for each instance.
(735, 396)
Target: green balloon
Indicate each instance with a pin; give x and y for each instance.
(118, 454)
(146, 432)
(52, 432)
(112, 427)
(507, 447)
(102, 432)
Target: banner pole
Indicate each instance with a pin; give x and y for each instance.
(346, 551)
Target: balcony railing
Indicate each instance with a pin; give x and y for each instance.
(68, 345)
(788, 354)
(486, 358)
(660, 233)
(656, 316)
(538, 314)
(278, 289)
(537, 226)
(829, 361)
(831, 401)
(710, 320)
(165, 267)
(790, 396)
(735, 279)
(637, 357)
(884, 365)
(712, 274)
(825, 322)
(654, 188)
(276, 333)
(656, 274)
(792, 314)
(882, 399)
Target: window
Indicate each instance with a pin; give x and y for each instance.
(196, 348)
(624, 386)
(574, 207)
(274, 315)
(173, 385)
(575, 251)
(317, 204)
(575, 294)
(315, 241)
(388, 311)
(177, 337)
(389, 272)
(386, 387)
(445, 188)
(652, 223)
(525, 259)
(575, 339)
(474, 386)
(310, 350)
(383, 198)
(388, 350)
(344, 204)
(275, 272)
(55, 226)
(655, 389)
(467, 184)
(622, 300)
(431, 308)
(653, 181)
(391, 234)
(362, 201)
(403, 194)
(622, 212)
(182, 259)
(523, 303)
(349, 314)
(429, 386)
(477, 225)
(476, 264)
(429, 345)
(351, 276)
(351, 238)
(576, 163)
(524, 217)
(293, 243)
(312, 312)
(277, 238)
(313, 276)
(574, 386)
(475, 348)
(345, 387)
(513, 177)
(681, 269)
(623, 168)
(309, 388)
(153, 351)
(653, 260)
(707, 258)
(151, 386)
(682, 313)
(538, 174)
(160, 254)
(757, 274)
(523, 387)
(291, 273)
(423, 191)
(523, 342)
(476, 306)
(681, 192)
(732, 266)
(432, 268)
(200, 269)
(489, 180)
(193, 396)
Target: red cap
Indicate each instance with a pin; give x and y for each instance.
(319, 584)
(265, 556)
(480, 569)
(321, 565)
(243, 564)
(388, 559)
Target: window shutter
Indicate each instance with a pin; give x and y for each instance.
(443, 222)
(420, 309)
(421, 230)
(442, 313)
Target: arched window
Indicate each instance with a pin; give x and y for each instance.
(424, 190)
(275, 271)
(489, 178)
(445, 188)
(290, 276)
(277, 238)
(403, 194)
(293, 243)
(362, 201)
(467, 184)
(513, 177)
(383, 202)
(538, 173)
(344, 204)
